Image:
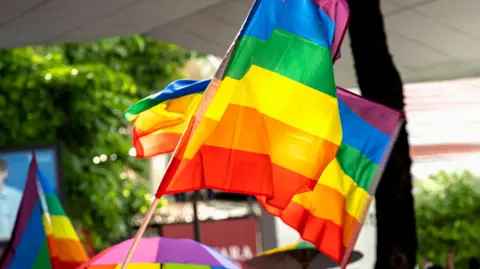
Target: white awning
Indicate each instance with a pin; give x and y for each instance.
(429, 39)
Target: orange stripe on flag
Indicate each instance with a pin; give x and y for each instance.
(249, 146)
(330, 238)
(156, 143)
(325, 234)
(313, 218)
(71, 250)
(246, 129)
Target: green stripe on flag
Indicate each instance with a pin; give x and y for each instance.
(288, 55)
(356, 165)
(43, 259)
(54, 205)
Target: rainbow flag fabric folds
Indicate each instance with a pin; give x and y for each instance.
(43, 237)
(160, 119)
(269, 122)
(332, 214)
(277, 94)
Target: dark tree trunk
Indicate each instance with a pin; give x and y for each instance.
(380, 81)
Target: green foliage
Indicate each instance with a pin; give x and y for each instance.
(153, 64)
(448, 215)
(76, 94)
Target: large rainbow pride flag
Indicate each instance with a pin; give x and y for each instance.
(43, 236)
(331, 214)
(335, 208)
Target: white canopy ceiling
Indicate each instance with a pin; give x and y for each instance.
(429, 39)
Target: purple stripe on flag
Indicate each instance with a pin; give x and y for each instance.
(379, 116)
(338, 12)
(27, 206)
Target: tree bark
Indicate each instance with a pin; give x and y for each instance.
(380, 81)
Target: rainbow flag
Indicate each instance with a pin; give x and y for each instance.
(160, 119)
(336, 206)
(277, 95)
(66, 250)
(37, 242)
(331, 215)
(28, 248)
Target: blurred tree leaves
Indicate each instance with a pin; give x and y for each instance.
(76, 94)
(151, 63)
(448, 215)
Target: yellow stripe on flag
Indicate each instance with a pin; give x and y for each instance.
(334, 177)
(46, 225)
(62, 228)
(309, 110)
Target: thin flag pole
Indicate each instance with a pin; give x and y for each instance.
(196, 222)
(140, 233)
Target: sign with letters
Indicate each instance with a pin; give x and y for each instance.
(234, 238)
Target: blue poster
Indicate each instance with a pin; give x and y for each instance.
(13, 175)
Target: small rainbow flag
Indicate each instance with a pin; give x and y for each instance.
(41, 240)
(160, 119)
(331, 215)
(66, 250)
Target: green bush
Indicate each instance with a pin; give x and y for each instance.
(448, 215)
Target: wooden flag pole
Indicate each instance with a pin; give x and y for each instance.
(196, 222)
(140, 233)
